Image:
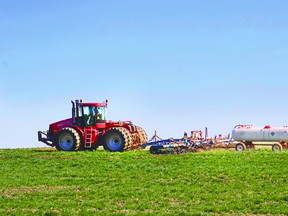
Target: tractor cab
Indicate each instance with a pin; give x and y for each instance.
(88, 114)
(93, 114)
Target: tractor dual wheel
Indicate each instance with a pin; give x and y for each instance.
(117, 139)
(142, 135)
(240, 147)
(68, 139)
(277, 147)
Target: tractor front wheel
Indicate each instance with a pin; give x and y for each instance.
(68, 139)
(117, 139)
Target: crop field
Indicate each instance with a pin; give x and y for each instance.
(222, 182)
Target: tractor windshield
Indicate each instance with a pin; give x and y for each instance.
(93, 114)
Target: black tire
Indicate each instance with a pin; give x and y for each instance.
(277, 147)
(117, 139)
(68, 139)
(142, 135)
(154, 150)
(240, 147)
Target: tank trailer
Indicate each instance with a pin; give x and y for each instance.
(247, 136)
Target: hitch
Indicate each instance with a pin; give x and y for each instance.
(44, 139)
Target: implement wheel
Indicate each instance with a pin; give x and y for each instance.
(277, 147)
(240, 147)
(117, 139)
(154, 150)
(68, 139)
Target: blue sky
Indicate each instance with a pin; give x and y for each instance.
(170, 66)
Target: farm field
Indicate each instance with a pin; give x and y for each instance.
(224, 182)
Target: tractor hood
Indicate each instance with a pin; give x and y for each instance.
(56, 126)
(126, 124)
(119, 123)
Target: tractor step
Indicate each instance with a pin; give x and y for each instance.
(88, 131)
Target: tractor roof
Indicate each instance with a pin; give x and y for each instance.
(94, 104)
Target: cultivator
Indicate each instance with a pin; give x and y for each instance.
(194, 143)
(176, 146)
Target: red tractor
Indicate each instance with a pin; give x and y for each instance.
(89, 129)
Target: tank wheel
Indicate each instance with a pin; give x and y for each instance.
(117, 139)
(240, 147)
(68, 139)
(277, 147)
(154, 150)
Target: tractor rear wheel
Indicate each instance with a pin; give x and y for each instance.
(117, 139)
(68, 139)
(142, 135)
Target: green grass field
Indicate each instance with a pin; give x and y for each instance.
(223, 182)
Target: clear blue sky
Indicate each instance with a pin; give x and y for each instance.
(170, 66)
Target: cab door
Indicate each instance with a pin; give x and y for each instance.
(89, 117)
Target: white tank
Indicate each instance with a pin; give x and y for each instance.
(258, 134)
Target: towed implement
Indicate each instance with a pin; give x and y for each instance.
(88, 129)
(180, 145)
(176, 146)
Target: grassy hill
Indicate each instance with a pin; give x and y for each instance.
(46, 182)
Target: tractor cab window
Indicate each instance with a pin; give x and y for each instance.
(93, 114)
(101, 114)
